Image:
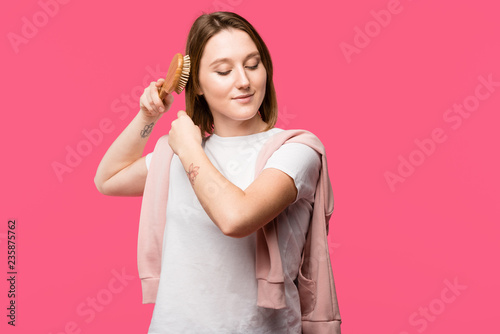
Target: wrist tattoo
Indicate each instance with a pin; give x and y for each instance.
(193, 171)
(147, 130)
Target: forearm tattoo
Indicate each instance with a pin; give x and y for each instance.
(193, 171)
(147, 130)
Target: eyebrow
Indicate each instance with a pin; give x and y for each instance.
(221, 60)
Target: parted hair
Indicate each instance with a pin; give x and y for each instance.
(203, 28)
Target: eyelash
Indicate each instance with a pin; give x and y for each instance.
(227, 72)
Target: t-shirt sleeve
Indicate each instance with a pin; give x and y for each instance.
(302, 163)
(149, 156)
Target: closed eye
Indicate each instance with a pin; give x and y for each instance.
(249, 67)
(223, 73)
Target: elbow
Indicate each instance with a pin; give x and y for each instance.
(99, 184)
(233, 225)
(234, 232)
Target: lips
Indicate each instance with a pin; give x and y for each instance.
(242, 96)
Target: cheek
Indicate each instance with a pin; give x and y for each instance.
(262, 79)
(216, 87)
(262, 85)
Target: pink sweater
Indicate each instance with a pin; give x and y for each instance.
(318, 298)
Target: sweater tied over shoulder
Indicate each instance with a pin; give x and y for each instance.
(318, 298)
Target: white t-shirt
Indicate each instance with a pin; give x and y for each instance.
(207, 281)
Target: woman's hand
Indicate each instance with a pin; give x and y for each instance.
(151, 105)
(184, 135)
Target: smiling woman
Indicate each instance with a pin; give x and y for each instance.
(227, 50)
(233, 86)
(221, 251)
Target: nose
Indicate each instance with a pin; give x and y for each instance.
(242, 81)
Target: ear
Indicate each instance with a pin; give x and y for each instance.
(198, 89)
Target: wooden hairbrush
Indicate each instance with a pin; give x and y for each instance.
(177, 75)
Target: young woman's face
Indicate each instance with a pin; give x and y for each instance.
(232, 77)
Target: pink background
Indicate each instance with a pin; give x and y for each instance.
(397, 247)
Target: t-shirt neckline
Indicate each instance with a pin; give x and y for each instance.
(240, 139)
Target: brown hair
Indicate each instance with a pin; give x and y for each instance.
(206, 26)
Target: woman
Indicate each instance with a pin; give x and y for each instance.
(211, 245)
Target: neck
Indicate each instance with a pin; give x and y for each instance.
(233, 128)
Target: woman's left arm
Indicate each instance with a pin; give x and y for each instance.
(237, 213)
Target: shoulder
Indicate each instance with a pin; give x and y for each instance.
(295, 136)
(306, 138)
(297, 152)
(302, 163)
(298, 142)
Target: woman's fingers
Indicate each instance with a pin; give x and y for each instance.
(150, 101)
(150, 92)
(184, 134)
(155, 99)
(167, 100)
(145, 102)
(160, 82)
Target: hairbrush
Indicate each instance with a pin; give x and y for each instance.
(177, 75)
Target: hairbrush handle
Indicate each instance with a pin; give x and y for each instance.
(176, 76)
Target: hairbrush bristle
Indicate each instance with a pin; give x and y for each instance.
(186, 67)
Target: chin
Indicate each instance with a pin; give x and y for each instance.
(241, 113)
(247, 115)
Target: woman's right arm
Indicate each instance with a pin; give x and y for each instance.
(123, 171)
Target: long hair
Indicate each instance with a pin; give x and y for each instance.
(204, 27)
